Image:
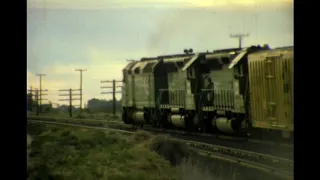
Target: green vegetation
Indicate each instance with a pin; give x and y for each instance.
(95, 109)
(78, 115)
(58, 152)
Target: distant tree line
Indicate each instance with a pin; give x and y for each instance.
(32, 105)
(93, 105)
(101, 105)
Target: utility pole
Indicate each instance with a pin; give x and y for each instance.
(113, 93)
(40, 91)
(32, 97)
(29, 99)
(81, 70)
(70, 98)
(34, 93)
(37, 101)
(240, 37)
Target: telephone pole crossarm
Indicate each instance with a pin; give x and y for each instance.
(113, 92)
(104, 87)
(110, 92)
(239, 37)
(70, 99)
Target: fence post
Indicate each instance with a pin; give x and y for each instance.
(37, 102)
(113, 93)
(70, 102)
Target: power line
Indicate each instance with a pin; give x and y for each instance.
(81, 70)
(240, 37)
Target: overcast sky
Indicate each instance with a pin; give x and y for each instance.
(100, 35)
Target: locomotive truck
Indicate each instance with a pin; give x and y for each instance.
(234, 91)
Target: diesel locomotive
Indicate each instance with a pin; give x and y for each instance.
(237, 91)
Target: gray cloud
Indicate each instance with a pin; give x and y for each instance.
(71, 37)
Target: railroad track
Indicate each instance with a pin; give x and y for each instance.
(281, 150)
(277, 166)
(265, 147)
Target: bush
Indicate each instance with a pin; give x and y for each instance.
(140, 136)
(172, 150)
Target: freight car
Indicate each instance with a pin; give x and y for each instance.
(234, 91)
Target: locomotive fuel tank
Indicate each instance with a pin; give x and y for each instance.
(138, 117)
(177, 120)
(230, 126)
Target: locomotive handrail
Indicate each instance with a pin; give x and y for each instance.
(176, 97)
(219, 99)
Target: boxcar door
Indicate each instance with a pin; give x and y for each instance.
(272, 95)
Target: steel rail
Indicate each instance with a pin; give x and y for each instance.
(170, 131)
(277, 151)
(249, 164)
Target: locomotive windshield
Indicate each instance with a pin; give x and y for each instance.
(216, 64)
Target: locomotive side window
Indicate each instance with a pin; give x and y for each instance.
(214, 64)
(238, 70)
(191, 74)
(171, 67)
(124, 76)
(148, 68)
(180, 64)
(137, 70)
(225, 60)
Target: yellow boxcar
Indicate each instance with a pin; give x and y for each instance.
(271, 89)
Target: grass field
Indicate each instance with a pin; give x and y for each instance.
(57, 152)
(61, 152)
(83, 115)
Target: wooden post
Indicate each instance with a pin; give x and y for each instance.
(70, 102)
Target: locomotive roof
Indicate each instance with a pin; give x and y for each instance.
(244, 52)
(209, 56)
(130, 65)
(273, 52)
(227, 50)
(144, 66)
(285, 47)
(173, 56)
(177, 58)
(218, 55)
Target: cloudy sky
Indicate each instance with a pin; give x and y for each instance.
(100, 35)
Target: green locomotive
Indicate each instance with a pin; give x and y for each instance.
(234, 91)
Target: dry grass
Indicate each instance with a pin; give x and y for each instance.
(82, 115)
(74, 153)
(77, 153)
